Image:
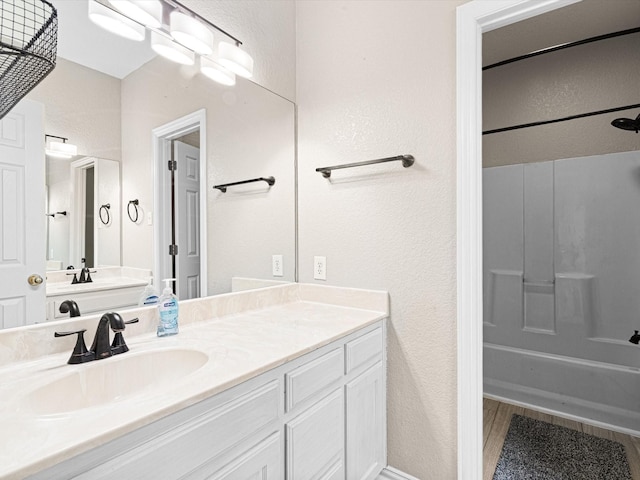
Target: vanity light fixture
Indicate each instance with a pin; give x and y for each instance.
(115, 22)
(191, 33)
(235, 59)
(185, 35)
(146, 12)
(216, 72)
(163, 45)
(59, 149)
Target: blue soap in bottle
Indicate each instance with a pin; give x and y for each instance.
(168, 310)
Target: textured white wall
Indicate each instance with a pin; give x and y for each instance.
(590, 77)
(250, 133)
(84, 106)
(375, 79)
(267, 30)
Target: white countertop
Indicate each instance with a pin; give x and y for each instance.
(244, 334)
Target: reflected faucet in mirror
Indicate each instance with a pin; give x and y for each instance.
(70, 307)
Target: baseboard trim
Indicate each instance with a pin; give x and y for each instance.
(562, 414)
(391, 473)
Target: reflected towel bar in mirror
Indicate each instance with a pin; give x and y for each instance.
(57, 213)
(135, 206)
(105, 208)
(407, 161)
(223, 187)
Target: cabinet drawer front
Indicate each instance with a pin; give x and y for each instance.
(364, 350)
(259, 462)
(177, 451)
(312, 377)
(315, 441)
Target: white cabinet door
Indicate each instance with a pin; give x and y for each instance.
(366, 424)
(22, 220)
(261, 462)
(315, 441)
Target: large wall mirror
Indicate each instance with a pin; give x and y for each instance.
(111, 97)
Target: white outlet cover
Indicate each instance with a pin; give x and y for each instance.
(320, 268)
(277, 266)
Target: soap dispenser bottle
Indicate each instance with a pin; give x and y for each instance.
(168, 310)
(149, 295)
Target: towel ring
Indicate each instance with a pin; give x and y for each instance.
(135, 206)
(106, 208)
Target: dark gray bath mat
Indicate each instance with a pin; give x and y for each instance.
(538, 450)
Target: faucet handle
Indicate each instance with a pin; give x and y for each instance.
(118, 345)
(80, 353)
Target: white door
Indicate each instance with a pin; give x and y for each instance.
(187, 208)
(22, 220)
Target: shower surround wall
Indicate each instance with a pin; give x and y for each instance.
(562, 286)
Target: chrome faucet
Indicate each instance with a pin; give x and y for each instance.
(101, 348)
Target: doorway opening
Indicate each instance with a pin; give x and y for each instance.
(180, 233)
(473, 19)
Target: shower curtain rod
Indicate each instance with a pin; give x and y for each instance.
(563, 119)
(563, 46)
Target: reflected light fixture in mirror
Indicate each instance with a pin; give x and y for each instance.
(237, 60)
(171, 50)
(191, 33)
(59, 149)
(146, 12)
(216, 72)
(114, 22)
(188, 33)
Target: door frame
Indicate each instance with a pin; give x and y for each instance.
(77, 215)
(472, 20)
(161, 141)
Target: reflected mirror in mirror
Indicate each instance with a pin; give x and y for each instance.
(109, 104)
(82, 206)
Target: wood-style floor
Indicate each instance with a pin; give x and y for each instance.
(497, 416)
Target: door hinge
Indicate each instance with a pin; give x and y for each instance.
(173, 165)
(173, 250)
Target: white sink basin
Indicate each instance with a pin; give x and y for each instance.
(114, 379)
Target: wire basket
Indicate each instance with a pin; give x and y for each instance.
(28, 44)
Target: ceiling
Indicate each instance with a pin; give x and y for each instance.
(578, 21)
(81, 41)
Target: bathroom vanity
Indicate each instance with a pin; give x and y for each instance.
(287, 381)
(111, 288)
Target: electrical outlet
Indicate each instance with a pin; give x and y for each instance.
(276, 265)
(320, 268)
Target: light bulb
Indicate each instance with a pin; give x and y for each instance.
(61, 150)
(216, 72)
(235, 59)
(191, 33)
(171, 50)
(146, 12)
(114, 22)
